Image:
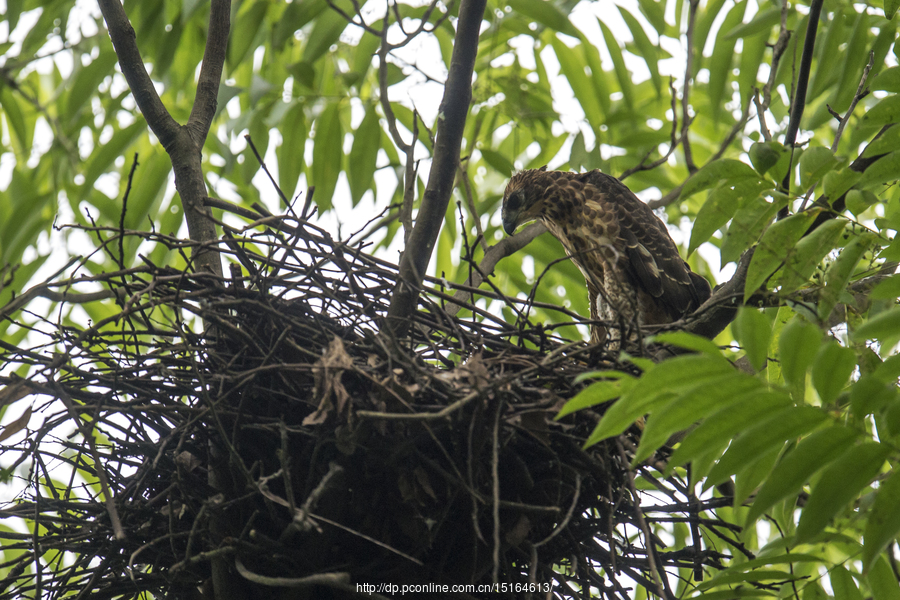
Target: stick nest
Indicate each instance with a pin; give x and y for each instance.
(264, 422)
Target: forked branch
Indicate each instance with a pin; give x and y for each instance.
(182, 143)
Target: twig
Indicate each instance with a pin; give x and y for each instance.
(505, 247)
(134, 165)
(784, 37)
(861, 93)
(265, 169)
(798, 103)
(761, 114)
(568, 516)
(470, 203)
(673, 142)
(409, 188)
(653, 565)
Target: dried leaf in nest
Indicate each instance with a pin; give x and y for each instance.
(329, 389)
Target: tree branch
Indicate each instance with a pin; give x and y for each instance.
(451, 124)
(182, 144)
(798, 103)
(125, 44)
(505, 247)
(206, 100)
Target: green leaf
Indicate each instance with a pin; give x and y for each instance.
(294, 17)
(762, 437)
(883, 524)
(735, 577)
(841, 482)
(15, 119)
(812, 454)
(843, 584)
(572, 67)
(688, 408)
(597, 393)
(722, 58)
(858, 201)
(144, 199)
(711, 174)
(654, 387)
(748, 223)
(752, 330)
(655, 14)
(104, 157)
(855, 54)
(498, 162)
(882, 580)
(814, 164)
(290, 153)
(87, 80)
(363, 155)
(885, 112)
(832, 368)
(840, 271)
(762, 22)
(883, 170)
(890, 7)
(884, 325)
(765, 155)
(326, 31)
(647, 49)
(886, 289)
(870, 395)
(838, 182)
(545, 13)
(327, 155)
(888, 80)
(690, 341)
(774, 247)
(250, 16)
(622, 72)
(748, 480)
(720, 206)
(718, 430)
(808, 254)
(797, 348)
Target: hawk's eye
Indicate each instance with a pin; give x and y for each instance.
(514, 202)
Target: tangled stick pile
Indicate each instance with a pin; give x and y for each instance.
(264, 419)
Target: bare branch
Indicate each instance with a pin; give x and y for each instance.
(505, 247)
(124, 41)
(409, 187)
(798, 103)
(860, 94)
(784, 36)
(182, 144)
(451, 124)
(205, 102)
(761, 114)
(470, 203)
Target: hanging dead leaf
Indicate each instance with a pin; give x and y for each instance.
(329, 389)
(16, 426)
(13, 392)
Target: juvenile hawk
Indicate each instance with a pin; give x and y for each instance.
(634, 273)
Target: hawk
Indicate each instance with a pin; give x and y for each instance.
(633, 271)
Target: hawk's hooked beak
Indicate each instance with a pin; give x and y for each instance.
(510, 222)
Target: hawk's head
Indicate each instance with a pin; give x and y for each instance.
(522, 200)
